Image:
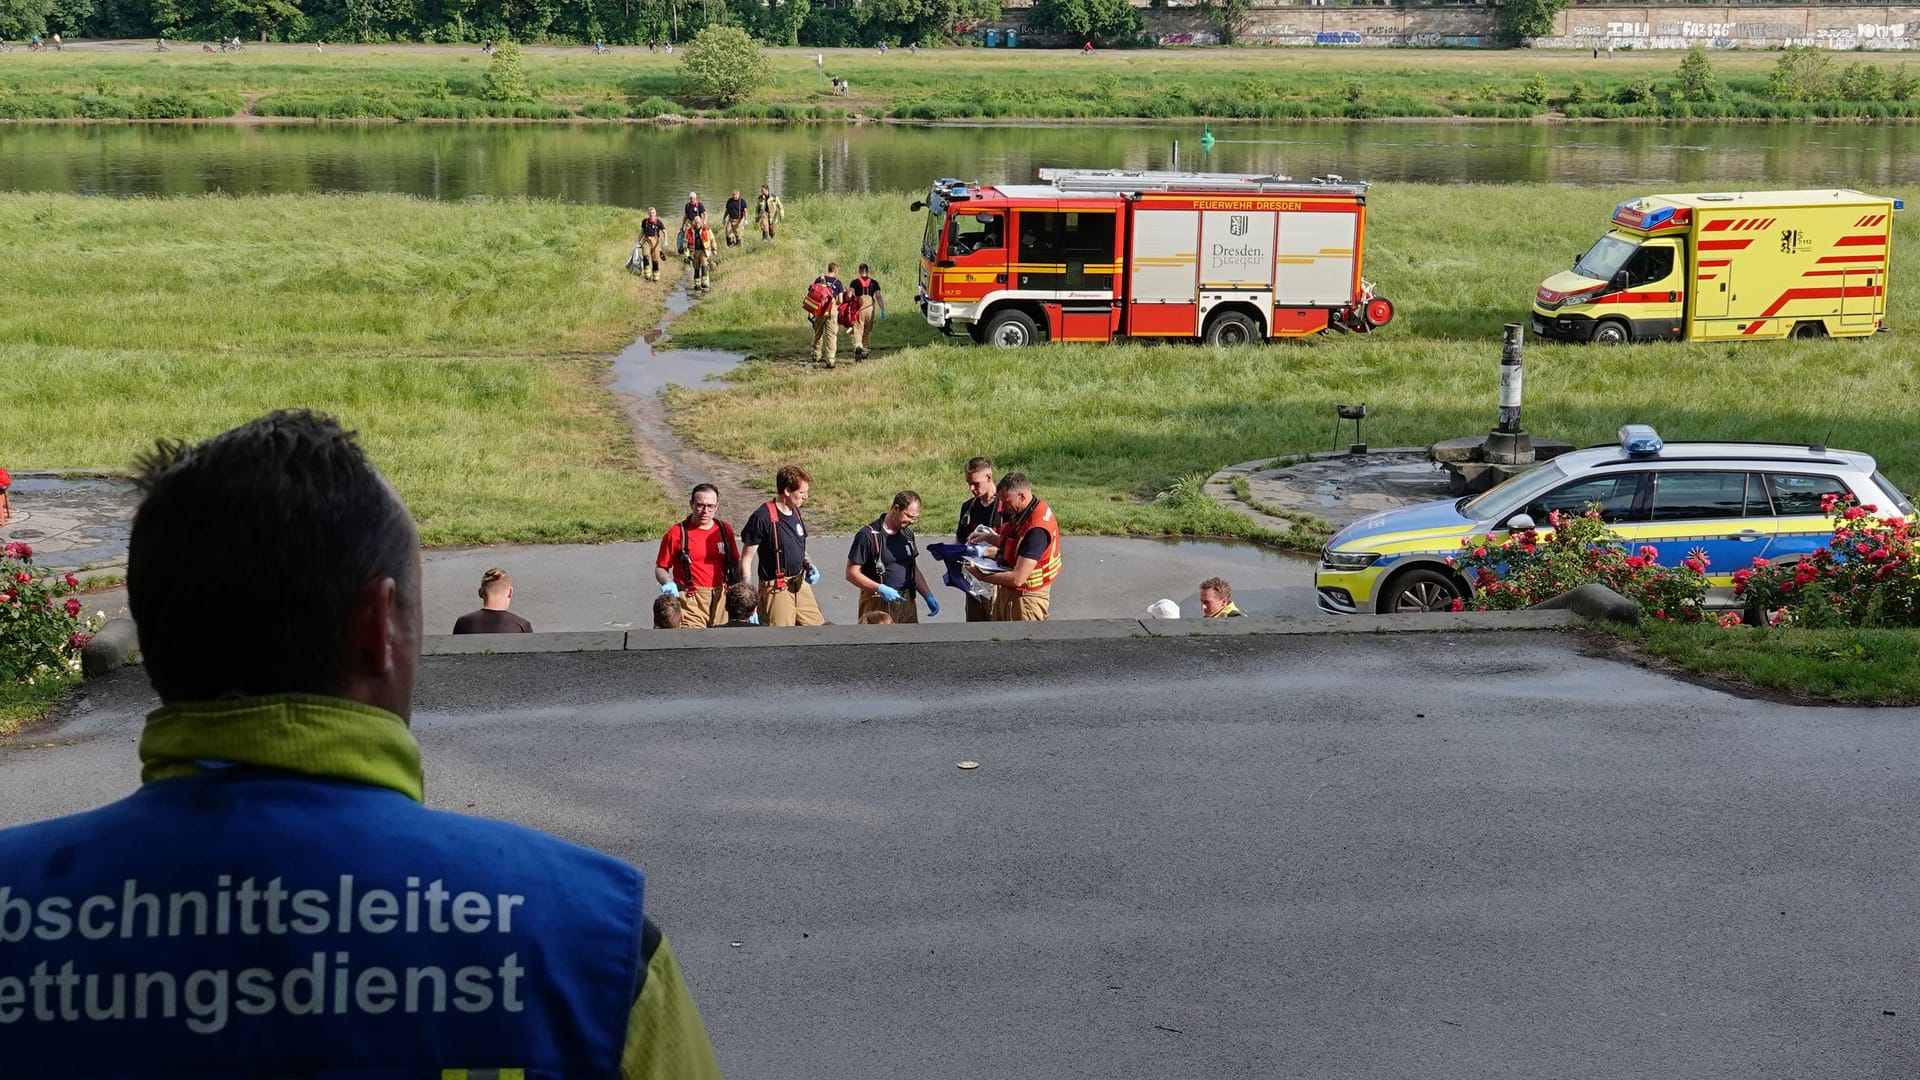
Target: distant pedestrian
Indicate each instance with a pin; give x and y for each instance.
(1029, 546)
(1216, 600)
(743, 606)
(884, 563)
(979, 524)
(864, 294)
(769, 212)
(653, 236)
(698, 559)
(775, 554)
(700, 250)
(826, 324)
(496, 592)
(666, 613)
(734, 217)
(1609, 50)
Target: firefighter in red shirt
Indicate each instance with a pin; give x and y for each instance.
(1029, 545)
(698, 559)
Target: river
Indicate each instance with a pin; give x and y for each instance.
(640, 165)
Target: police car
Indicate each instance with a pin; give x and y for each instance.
(1731, 501)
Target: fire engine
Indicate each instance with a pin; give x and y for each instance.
(1734, 266)
(1095, 255)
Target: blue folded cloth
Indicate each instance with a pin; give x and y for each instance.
(955, 556)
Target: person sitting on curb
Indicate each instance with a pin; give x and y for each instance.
(743, 606)
(1216, 600)
(876, 618)
(496, 592)
(666, 612)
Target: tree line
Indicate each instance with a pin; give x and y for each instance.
(828, 23)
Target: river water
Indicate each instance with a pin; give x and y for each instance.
(641, 165)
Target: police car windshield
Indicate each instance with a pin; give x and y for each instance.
(1607, 257)
(1513, 494)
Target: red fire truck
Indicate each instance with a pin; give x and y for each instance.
(1094, 255)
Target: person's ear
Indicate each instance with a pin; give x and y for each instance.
(377, 627)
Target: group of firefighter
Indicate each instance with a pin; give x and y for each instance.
(694, 241)
(1004, 558)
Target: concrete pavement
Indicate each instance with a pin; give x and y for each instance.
(1365, 856)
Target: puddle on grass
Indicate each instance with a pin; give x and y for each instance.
(643, 371)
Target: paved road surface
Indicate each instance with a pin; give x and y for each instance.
(1417, 855)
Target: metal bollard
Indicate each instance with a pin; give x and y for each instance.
(1510, 381)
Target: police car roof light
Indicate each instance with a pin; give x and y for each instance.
(1640, 440)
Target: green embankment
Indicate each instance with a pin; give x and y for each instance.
(414, 81)
(456, 337)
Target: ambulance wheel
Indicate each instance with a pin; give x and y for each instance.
(1808, 331)
(1420, 590)
(1011, 330)
(1611, 332)
(1231, 328)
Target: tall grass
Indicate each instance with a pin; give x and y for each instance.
(448, 334)
(408, 82)
(1104, 428)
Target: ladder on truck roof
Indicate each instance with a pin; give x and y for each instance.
(1135, 181)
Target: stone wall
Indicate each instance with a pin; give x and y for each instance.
(1583, 26)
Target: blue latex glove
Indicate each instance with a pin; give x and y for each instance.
(668, 588)
(753, 619)
(813, 574)
(883, 314)
(933, 607)
(888, 593)
(979, 551)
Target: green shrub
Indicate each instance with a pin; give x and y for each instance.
(1803, 73)
(1635, 91)
(1576, 94)
(1536, 92)
(724, 65)
(603, 110)
(654, 106)
(105, 107)
(507, 75)
(1865, 82)
(1697, 81)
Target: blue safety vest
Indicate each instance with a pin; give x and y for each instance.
(245, 922)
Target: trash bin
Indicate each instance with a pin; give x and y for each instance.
(1011, 38)
(993, 39)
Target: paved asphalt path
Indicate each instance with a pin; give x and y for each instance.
(1410, 855)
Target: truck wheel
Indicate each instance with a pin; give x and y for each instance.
(1231, 328)
(1420, 590)
(1808, 331)
(1011, 330)
(1611, 332)
(1378, 312)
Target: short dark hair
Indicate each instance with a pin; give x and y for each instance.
(297, 520)
(863, 268)
(708, 488)
(904, 499)
(742, 600)
(666, 612)
(1015, 483)
(790, 478)
(1217, 586)
(979, 464)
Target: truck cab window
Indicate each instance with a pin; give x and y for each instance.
(1650, 264)
(975, 232)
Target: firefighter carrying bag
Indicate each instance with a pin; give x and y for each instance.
(819, 297)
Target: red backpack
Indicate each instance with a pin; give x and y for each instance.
(819, 298)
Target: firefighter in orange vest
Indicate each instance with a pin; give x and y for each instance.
(1029, 544)
(700, 252)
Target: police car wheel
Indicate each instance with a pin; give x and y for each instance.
(1421, 590)
(1011, 330)
(1231, 328)
(1611, 332)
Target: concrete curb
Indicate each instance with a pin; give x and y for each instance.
(113, 646)
(937, 633)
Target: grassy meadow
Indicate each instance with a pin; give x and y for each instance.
(459, 339)
(1116, 436)
(129, 81)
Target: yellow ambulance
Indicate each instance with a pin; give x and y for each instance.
(1728, 266)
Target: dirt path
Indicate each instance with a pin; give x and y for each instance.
(638, 375)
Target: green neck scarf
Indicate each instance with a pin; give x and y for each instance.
(297, 733)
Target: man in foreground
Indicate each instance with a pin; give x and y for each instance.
(1029, 545)
(980, 511)
(1216, 600)
(775, 555)
(496, 592)
(274, 899)
(884, 564)
(698, 559)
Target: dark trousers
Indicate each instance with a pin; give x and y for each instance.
(979, 610)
